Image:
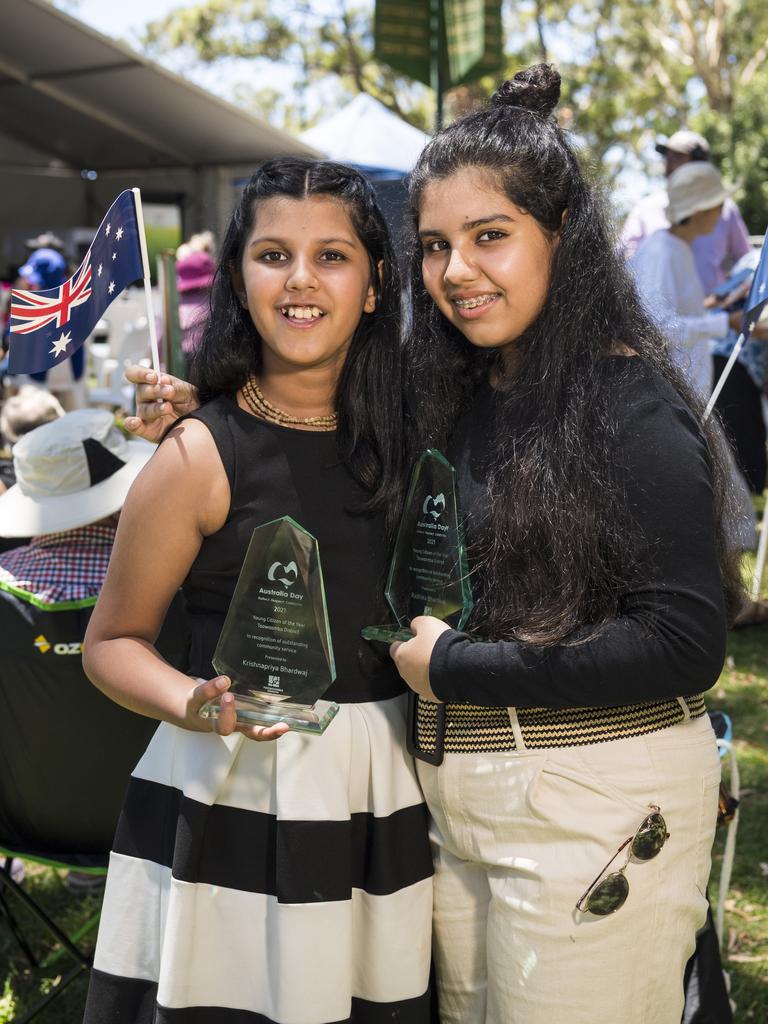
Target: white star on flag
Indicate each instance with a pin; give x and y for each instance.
(98, 270)
(107, 229)
(119, 234)
(61, 343)
(111, 287)
(761, 289)
(114, 255)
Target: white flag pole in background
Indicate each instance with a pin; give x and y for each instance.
(724, 376)
(147, 284)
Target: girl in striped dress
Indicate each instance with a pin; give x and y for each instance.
(261, 876)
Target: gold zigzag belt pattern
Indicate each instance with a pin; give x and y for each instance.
(471, 729)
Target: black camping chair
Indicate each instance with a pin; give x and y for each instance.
(66, 752)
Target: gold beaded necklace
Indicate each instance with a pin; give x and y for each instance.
(260, 407)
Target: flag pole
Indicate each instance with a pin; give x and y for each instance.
(147, 283)
(724, 375)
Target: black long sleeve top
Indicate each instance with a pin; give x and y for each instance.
(669, 638)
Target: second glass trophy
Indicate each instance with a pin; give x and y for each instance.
(428, 573)
(275, 644)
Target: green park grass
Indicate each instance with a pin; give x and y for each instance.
(742, 691)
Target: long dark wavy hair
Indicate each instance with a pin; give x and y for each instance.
(369, 391)
(556, 545)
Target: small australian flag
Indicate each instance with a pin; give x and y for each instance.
(49, 326)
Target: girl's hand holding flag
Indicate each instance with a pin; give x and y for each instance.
(160, 400)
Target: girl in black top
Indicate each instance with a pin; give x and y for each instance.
(575, 725)
(289, 880)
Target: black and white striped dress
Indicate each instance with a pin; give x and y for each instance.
(286, 882)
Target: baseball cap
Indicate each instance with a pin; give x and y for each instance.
(45, 268)
(686, 142)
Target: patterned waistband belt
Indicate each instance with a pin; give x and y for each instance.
(471, 729)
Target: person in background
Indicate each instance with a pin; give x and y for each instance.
(11, 279)
(713, 252)
(740, 403)
(72, 476)
(669, 286)
(195, 271)
(47, 268)
(202, 241)
(30, 408)
(666, 276)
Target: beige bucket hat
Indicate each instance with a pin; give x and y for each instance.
(691, 188)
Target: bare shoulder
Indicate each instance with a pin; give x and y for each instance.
(186, 475)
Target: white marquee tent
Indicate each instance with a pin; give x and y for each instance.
(369, 135)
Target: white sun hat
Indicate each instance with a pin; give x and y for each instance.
(69, 473)
(693, 187)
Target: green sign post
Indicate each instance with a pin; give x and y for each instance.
(442, 43)
(173, 356)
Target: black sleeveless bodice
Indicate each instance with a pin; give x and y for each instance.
(275, 471)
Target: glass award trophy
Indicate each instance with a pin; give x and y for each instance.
(275, 644)
(429, 573)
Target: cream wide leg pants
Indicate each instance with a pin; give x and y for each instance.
(518, 836)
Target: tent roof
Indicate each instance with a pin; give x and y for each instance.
(366, 133)
(72, 97)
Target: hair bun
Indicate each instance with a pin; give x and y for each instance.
(537, 89)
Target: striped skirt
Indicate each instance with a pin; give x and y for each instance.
(285, 882)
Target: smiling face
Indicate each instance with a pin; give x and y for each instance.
(305, 280)
(485, 262)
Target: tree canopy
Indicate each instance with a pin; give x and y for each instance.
(632, 70)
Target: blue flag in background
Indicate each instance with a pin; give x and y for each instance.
(758, 292)
(49, 326)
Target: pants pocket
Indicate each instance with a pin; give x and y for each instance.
(615, 775)
(590, 818)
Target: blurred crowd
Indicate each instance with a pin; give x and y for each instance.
(686, 244)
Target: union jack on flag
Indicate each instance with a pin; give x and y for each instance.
(38, 309)
(50, 326)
